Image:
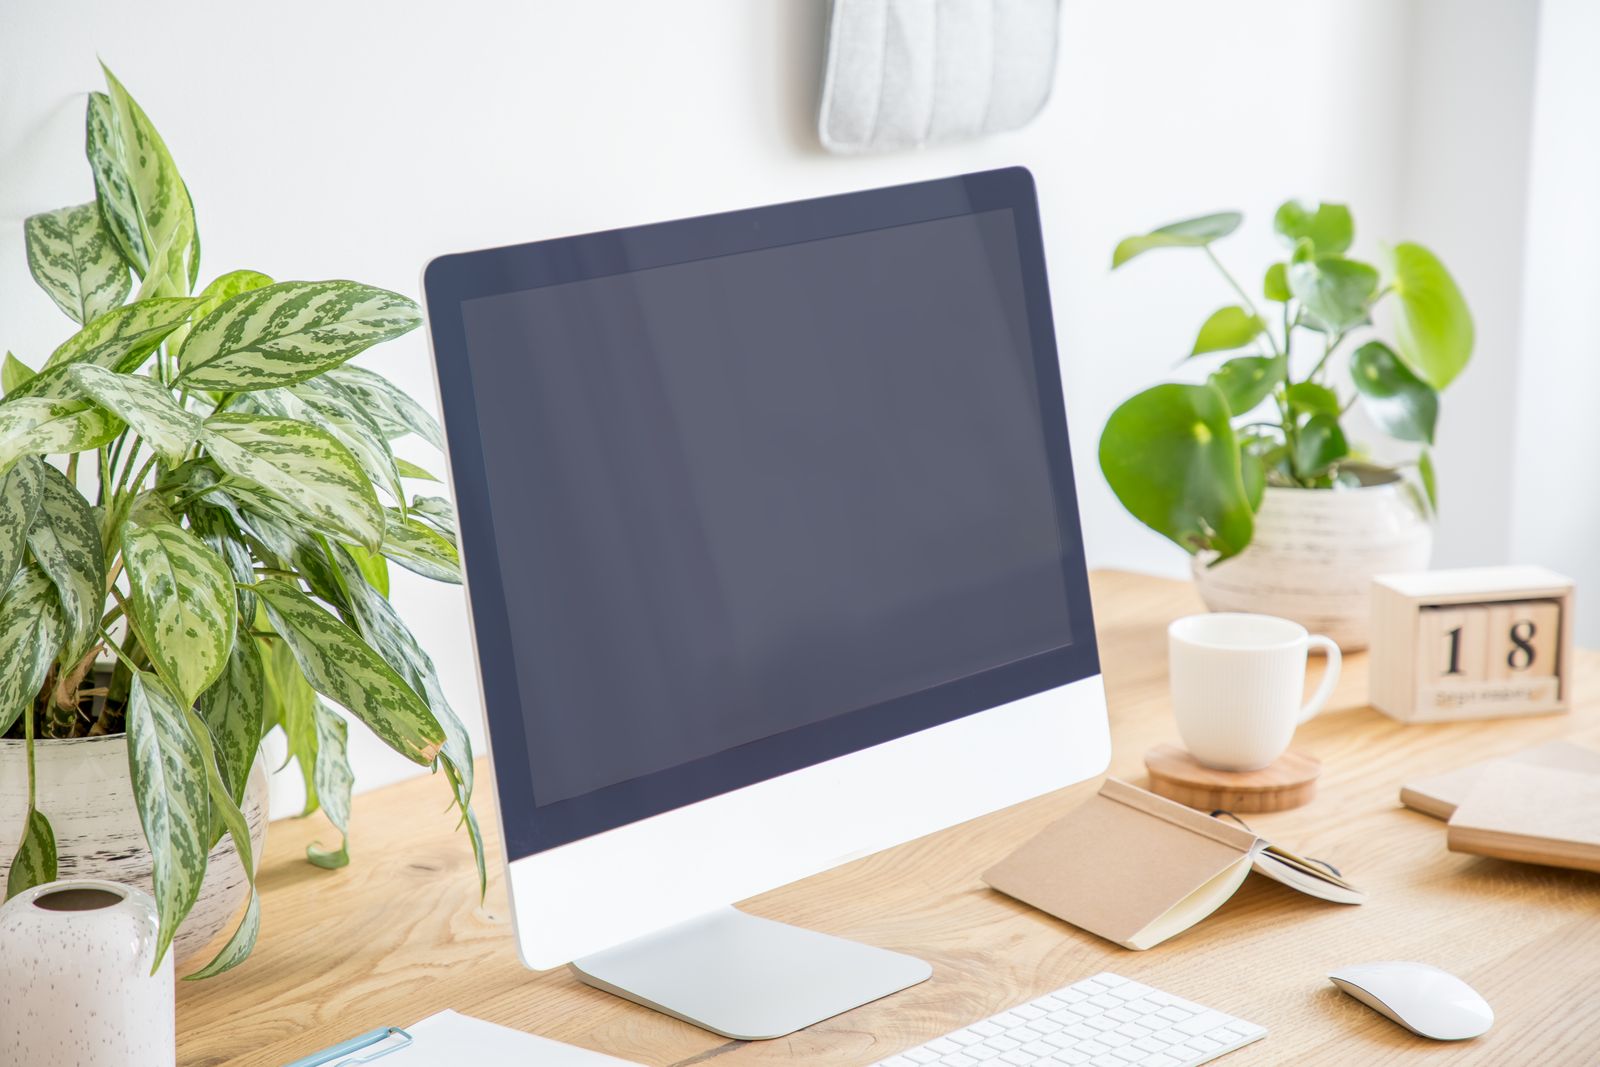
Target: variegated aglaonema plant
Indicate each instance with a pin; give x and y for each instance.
(198, 506)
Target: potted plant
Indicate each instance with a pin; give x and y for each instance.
(1252, 471)
(198, 507)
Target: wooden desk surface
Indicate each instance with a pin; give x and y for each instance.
(400, 934)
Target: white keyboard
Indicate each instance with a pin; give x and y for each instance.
(1104, 1021)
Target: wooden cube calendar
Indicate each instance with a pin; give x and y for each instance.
(1471, 644)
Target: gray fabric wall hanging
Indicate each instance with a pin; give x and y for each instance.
(902, 73)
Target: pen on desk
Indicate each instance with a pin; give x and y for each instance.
(336, 1054)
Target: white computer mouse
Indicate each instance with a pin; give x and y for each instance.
(1418, 996)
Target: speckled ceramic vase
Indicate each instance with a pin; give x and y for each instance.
(84, 790)
(1315, 553)
(76, 988)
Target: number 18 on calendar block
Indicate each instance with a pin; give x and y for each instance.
(1471, 644)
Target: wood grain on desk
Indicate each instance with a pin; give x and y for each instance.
(399, 934)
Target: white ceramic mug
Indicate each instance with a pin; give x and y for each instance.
(1237, 680)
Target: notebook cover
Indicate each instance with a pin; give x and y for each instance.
(1120, 861)
(1284, 866)
(1532, 814)
(1439, 794)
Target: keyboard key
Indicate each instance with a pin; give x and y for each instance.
(1038, 1049)
(958, 1059)
(1091, 987)
(1143, 1005)
(964, 1038)
(1027, 1011)
(1173, 1014)
(1002, 1043)
(942, 1045)
(897, 1061)
(1007, 1020)
(1025, 1034)
(1106, 978)
(1018, 1058)
(1134, 1030)
(986, 1028)
(1128, 1053)
(1122, 1015)
(1049, 1002)
(981, 1052)
(1200, 1024)
(1047, 1025)
(1093, 1048)
(1159, 1060)
(921, 1055)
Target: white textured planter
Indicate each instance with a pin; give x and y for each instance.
(1314, 555)
(85, 792)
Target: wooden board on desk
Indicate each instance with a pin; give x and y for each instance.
(399, 934)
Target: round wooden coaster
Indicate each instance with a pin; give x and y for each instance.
(1287, 782)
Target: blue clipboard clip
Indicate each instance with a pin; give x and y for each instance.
(372, 1045)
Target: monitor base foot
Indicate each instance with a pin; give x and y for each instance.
(748, 978)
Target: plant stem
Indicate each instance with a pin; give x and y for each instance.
(72, 469)
(1249, 303)
(105, 476)
(27, 733)
(1333, 342)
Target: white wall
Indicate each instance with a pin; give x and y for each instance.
(358, 139)
(1555, 503)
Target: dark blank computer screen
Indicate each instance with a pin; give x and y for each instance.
(741, 495)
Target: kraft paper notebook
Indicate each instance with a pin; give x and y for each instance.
(1532, 814)
(1136, 868)
(1439, 794)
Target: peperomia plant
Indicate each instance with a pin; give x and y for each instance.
(194, 533)
(1192, 461)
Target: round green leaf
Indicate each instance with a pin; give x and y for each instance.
(1170, 455)
(1335, 291)
(1275, 286)
(1246, 381)
(1319, 444)
(1188, 233)
(1434, 327)
(1309, 398)
(1402, 404)
(1227, 328)
(1328, 228)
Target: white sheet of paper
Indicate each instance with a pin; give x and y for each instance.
(450, 1039)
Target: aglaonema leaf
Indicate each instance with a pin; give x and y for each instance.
(299, 471)
(384, 631)
(234, 709)
(342, 667)
(239, 946)
(1170, 455)
(167, 767)
(290, 331)
(144, 404)
(35, 859)
(14, 374)
(21, 492)
(164, 212)
(420, 548)
(181, 603)
(334, 783)
(394, 412)
(437, 512)
(32, 629)
(113, 191)
(38, 426)
(72, 256)
(65, 539)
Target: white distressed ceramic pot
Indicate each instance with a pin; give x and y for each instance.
(1315, 553)
(85, 792)
(76, 989)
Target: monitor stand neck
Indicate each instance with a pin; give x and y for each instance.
(748, 978)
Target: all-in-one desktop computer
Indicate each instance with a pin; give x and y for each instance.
(773, 559)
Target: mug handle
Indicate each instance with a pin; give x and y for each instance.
(1330, 675)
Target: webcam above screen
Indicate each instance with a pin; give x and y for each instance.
(773, 558)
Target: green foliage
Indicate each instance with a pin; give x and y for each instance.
(1171, 458)
(1194, 462)
(1189, 233)
(200, 486)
